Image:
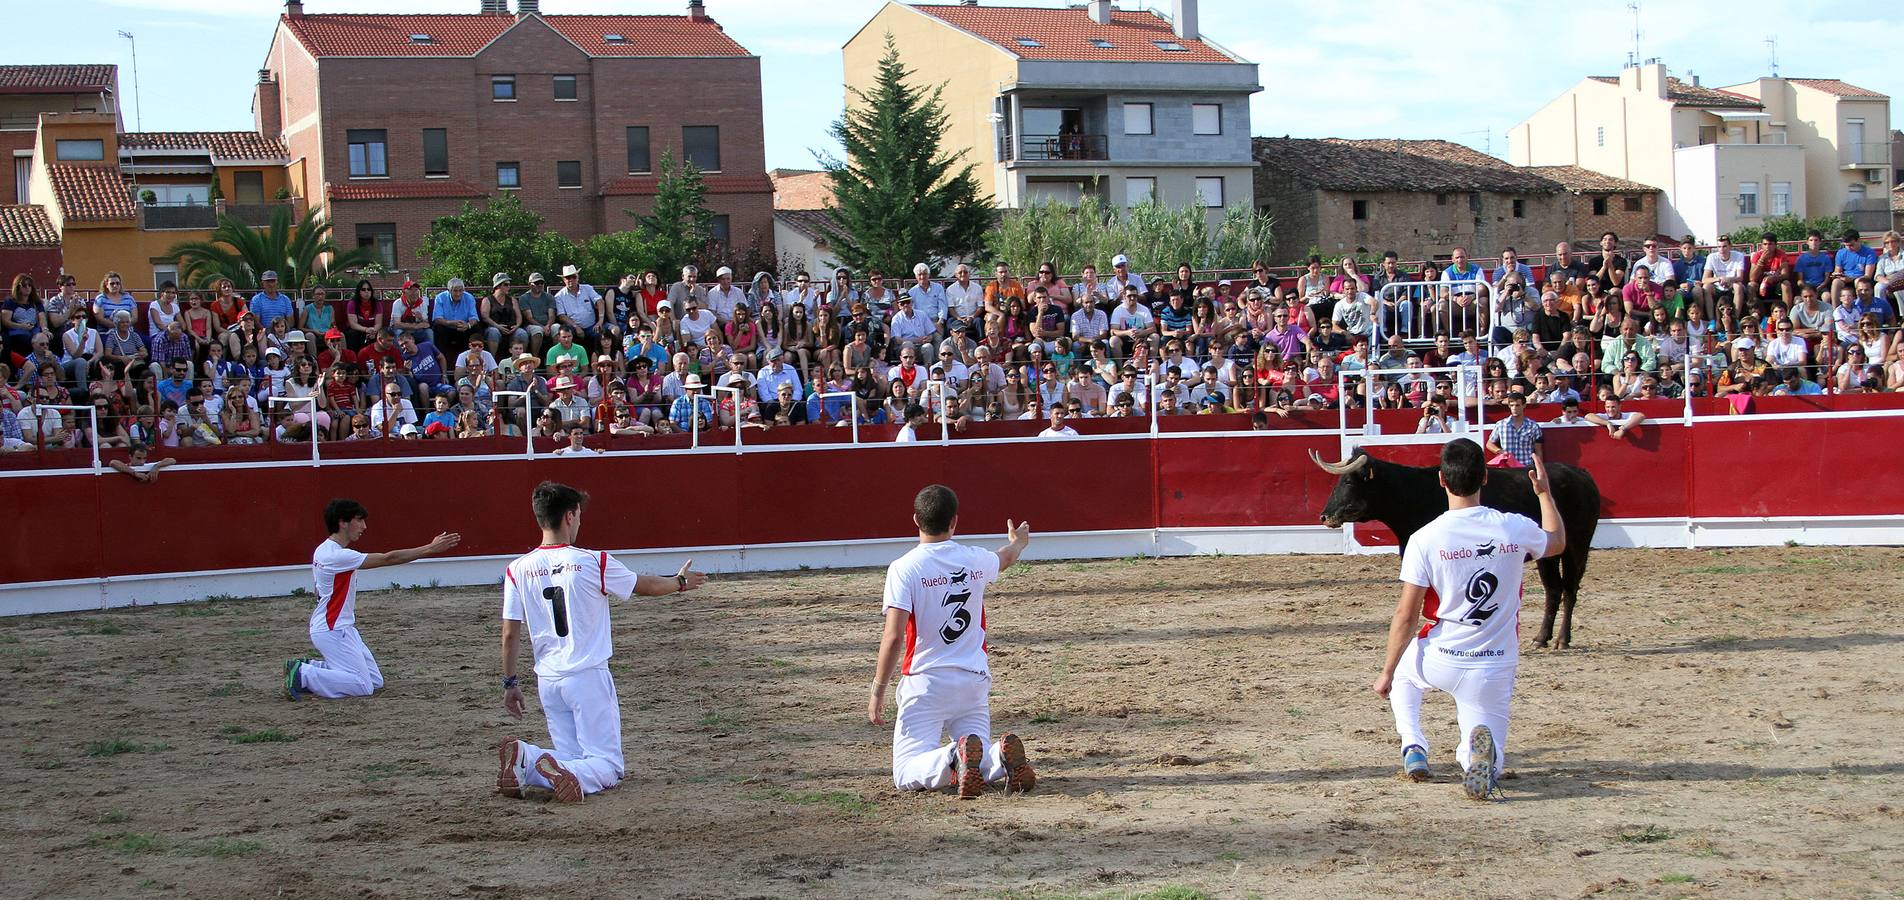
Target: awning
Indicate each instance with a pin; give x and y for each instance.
(1731, 115)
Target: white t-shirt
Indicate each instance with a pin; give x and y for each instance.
(1471, 561)
(1061, 431)
(1135, 317)
(942, 585)
(572, 450)
(561, 593)
(333, 575)
(906, 435)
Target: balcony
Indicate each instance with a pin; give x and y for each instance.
(1058, 148)
(1864, 156)
(1869, 214)
(258, 215)
(186, 216)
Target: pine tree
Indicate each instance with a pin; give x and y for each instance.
(681, 224)
(898, 200)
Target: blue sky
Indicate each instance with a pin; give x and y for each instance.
(1331, 68)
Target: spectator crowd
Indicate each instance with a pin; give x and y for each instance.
(650, 355)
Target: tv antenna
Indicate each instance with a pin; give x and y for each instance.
(1487, 139)
(1771, 45)
(1633, 56)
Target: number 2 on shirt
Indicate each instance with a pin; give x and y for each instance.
(960, 620)
(559, 607)
(1480, 590)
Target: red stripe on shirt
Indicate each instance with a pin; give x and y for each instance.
(604, 572)
(984, 646)
(1430, 605)
(340, 591)
(912, 634)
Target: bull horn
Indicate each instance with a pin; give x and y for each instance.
(1341, 468)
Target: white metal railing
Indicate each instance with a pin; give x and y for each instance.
(293, 401)
(528, 416)
(1368, 377)
(852, 408)
(92, 413)
(718, 389)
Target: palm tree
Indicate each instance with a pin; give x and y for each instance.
(303, 254)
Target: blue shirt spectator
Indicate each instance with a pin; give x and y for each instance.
(1813, 267)
(1855, 262)
(453, 307)
(682, 412)
(1691, 271)
(929, 300)
(270, 305)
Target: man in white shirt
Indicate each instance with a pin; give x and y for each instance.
(1786, 349)
(1124, 277)
(916, 418)
(1057, 428)
(927, 296)
(696, 323)
(1470, 559)
(559, 594)
(724, 297)
(577, 305)
(1725, 271)
(935, 637)
(1659, 268)
(347, 668)
(575, 447)
(1131, 324)
(912, 327)
(777, 372)
(1088, 322)
(963, 298)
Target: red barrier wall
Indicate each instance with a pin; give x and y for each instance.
(80, 526)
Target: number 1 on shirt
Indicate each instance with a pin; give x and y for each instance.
(559, 607)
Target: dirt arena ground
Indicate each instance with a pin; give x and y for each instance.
(1729, 726)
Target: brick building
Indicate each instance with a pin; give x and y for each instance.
(28, 91)
(394, 120)
(1424, 198)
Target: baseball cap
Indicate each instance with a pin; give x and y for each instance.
(536, 278)
(499, 279)
(435, 428)
(333, 335)
(410, 284)
(1225, 282)
(269, 275)
(1120, 260)
(273, 351)
(408, 430)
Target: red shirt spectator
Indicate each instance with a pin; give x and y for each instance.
(334, 351)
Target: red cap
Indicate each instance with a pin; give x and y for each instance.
(436, 428)
(333, 335)
(410, 284)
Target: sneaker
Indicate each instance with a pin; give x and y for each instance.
(512, 770)
(291, 668)
(568, 789)
(971, 768)
(1415, 763)
(1482, 780)
(1018, 775)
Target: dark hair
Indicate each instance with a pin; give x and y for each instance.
(339, 511)
(553, 502)
(1815, 233)
(1851, 234)
(1463, 467)
(914, 411)
(935, 507)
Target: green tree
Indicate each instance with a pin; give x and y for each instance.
(302, 254)
(899, 200)
(499, 236)
(680, 225)
(1789, 229)
(1155, 237)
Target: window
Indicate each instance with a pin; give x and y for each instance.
(1139, 191)
(1748, 198)
(1854, 193)
(638, 158)
(564, 87)
(1441, 199)
(1028, 42)
(1102, 44)
(22, 178)
(1206, 118)
(436, 152)
(723, 230)
(615, 38)
(79, 151)
(1210, 192)
(367, 153)
(1781, 198)
(1137, 118)
(381, 238)
(568, 173)
(422, 39)
(164, 272)
(508, 175)
(1170, 46)
(1358, 210)
(1634, 204)
(502, 87)
(1520, 208)
(1599, 206)
(247, 187)
(701, 144)
(1599, 136)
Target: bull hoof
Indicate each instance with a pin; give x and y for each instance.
(1540, 645)
(1563, 645)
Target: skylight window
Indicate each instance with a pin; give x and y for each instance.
(1103, 44)
(421, 39)
(615, 38)
(1171, 46)
(1028, 42)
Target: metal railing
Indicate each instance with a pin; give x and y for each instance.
(1865, 155)
(177, 216)
(1058, 147)
(293, 401)
(258, 215)
(738, 422)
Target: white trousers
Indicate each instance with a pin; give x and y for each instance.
(347, 669)
(933, 705)
(585, 726)
(1481, 697)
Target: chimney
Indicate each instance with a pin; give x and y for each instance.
(294, 9)
(1101, 11)
(697, 11)
(523, 7)
(266, 116)
(495, 7)
(1185, 19)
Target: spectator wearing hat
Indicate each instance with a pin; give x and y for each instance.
(724, 297)
(912, 327)
(1123, 276)
(502, 318)
(523, 378)
(578, 306)
(271, 304)
(569, 408)
(334, 351)
(453, 316)
(691, 411)
(537, 307)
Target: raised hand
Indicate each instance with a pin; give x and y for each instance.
(692, 578)
(445, 541)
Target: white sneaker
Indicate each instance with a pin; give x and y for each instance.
(1482, 780)
(512, 769)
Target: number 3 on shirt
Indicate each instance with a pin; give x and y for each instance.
(559, 607)
(961, 620)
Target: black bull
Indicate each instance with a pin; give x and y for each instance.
(1405, 498)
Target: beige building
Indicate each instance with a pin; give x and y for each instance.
(1720, 160)
(1846, 133)
(1058, 103)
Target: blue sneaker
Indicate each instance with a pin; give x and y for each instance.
(1482, 780)
(291, 669)
(1415, 763)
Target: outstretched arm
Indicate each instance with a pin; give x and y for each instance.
(1020, 535)
(890, 642)
(661, 585)
(1550, 521)
(442, 544)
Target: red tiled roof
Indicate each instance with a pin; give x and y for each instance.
(464, 35)
(91, 193)
(1586, 181)
(643, 185)
(1067, 33)
(1840, 88)
(1688, 94)
(26, 226)
(799, 189)
(57, 79)
(219, 144)
(401, 190)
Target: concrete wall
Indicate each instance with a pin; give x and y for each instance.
(1419, 225)
(1583, 224)
(1627, 130)
(1171, 139)
(1709, 176)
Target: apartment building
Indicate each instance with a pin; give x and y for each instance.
(28, 91)
(396, 119)
(1057, 103)
(1846, 133)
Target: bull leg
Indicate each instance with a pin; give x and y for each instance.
(1566, 618)
(1550, 582)
(1573, 572)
